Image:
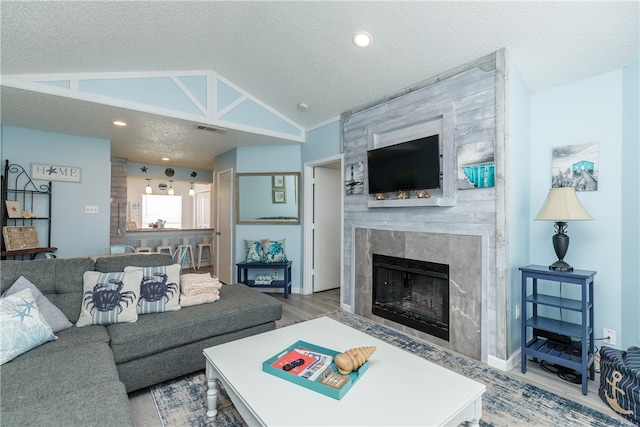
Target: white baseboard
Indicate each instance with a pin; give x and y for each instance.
(504, 365)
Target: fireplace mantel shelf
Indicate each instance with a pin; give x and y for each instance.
(409, 203)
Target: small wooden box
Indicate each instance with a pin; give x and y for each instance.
(17, 238)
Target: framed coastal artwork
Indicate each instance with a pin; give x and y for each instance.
(575, 166)
(13, 209)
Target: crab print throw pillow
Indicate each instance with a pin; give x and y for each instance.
(159, 288)
(109, 298)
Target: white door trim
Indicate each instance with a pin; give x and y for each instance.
(307, 275)
(218, 228)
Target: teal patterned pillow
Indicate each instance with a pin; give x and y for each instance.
(254, 252)
(23, 326)
(274, 251)
(109, 297)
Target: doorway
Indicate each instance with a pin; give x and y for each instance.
(224, 226)
(323, 207)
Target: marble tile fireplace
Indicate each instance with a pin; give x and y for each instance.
(464, 277)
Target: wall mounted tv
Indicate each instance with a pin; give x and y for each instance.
(411, 165)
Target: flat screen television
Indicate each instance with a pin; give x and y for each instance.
(411, 165)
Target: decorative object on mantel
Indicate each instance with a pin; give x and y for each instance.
(380, 196)
(402, 195)
(55, 173)
(13, 209)
(562, 204)
(575, 166)
(353, 358)
(17, 238)
(28, 215)
(422, 194)
(354, 178)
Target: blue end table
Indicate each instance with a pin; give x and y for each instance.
(243, 276)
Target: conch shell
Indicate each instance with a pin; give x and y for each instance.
(353, 358)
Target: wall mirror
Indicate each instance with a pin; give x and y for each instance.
(268, 198)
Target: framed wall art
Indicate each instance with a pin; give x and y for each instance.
(575, 166)
(279, 196)
(278, 181)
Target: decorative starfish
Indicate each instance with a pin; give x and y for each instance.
(22, 314)
(52, 170)
(144, 169)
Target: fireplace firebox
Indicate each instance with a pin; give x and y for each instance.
(412, 293)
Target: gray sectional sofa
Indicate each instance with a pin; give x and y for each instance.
(83, 377)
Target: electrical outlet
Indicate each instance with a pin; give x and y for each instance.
(609, 336)
(275, 273)
(517, 311)
(91, 209)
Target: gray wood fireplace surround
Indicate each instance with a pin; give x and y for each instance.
(463, 228)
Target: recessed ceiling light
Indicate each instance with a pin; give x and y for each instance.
(166, 159)
(119, 123)
(361, 39)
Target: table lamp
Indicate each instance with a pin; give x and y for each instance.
(562, 205)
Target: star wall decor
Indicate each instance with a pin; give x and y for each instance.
(144, 169)
(193, 174)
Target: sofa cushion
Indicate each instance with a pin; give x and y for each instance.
(60, 280)
(110, 298)
(239, 308)
(159, 289)
(78, 386)
(52, 314)
(113, 264)
(23, 327)
(620, 381)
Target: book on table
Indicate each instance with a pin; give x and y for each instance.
(312, 366)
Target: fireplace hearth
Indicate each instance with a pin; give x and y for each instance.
(413, 293)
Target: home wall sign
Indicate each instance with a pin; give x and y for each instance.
(55, 173)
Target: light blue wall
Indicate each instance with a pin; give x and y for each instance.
(577, 113)
(631, 206)
(73, 232)
(322, 142)
(284, 158)
(517, 183)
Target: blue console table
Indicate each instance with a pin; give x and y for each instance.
(243, 276)
(575, 355)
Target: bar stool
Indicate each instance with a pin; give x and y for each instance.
(186, 247)
(144, 246)
(164, 245)
(206, 243)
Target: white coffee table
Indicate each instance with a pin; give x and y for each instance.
(397, 389)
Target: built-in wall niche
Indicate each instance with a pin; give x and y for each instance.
(391, 133)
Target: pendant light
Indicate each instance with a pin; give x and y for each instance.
(170, 192)
(148, 190)
(192, 192)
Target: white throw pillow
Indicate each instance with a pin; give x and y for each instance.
(109, 298)
(52, 314)
(23, 327)
(159, 288)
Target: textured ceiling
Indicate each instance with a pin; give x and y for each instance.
(285, 53)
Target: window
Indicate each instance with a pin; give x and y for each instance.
(160, 207)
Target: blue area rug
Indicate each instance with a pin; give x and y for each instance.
(508, 400)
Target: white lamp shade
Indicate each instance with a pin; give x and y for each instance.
(562, 204)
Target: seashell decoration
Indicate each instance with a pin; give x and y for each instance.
(353, 358)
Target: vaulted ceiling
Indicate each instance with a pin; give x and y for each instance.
(286, 53)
